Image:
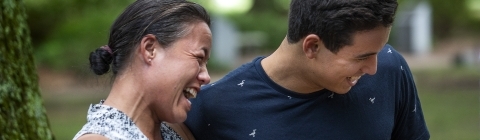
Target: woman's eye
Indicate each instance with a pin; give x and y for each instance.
(200, 59)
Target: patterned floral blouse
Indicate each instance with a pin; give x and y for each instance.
(116, 125)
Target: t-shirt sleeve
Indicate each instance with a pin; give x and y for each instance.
(195, 118)
(409, 121)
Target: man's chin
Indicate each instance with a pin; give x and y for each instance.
(342, 91)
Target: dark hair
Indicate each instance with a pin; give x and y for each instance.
(335, 21)
(166, 19)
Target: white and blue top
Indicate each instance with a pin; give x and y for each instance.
(116, 125)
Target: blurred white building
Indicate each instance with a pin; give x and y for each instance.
(225, 41)
(413, 28)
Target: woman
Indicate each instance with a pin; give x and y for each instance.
(158, 50)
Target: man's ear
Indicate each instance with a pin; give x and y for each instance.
(311, 45)
(148, 48)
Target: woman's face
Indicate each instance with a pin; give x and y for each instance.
(179, 71)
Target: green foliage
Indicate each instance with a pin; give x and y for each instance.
(22, 114)
(65, 35)
(270, 17)
(449, 17)
(64, 32)
(274, 25)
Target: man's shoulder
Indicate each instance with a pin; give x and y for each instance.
(389, 52)
(389, 58)
(244, 71)
(390, 65)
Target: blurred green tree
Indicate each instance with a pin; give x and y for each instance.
(22, 114)
(448, 16)
(269, 16)
(66, 32)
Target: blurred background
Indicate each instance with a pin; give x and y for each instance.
(440, 39)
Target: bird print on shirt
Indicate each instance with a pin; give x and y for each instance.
(331, 95)
(253, 133)
(389, 50)
(241, 84)
(372, 100)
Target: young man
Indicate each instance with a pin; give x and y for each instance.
(333, 77)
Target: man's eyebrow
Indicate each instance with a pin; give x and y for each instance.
(365, 55)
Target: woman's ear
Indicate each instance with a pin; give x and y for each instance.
(311, 45)
(148, 48)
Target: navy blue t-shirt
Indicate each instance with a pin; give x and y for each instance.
(247, 104)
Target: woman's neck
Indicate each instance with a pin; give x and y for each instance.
(127, 96)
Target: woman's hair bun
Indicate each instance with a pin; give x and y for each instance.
(100, 60)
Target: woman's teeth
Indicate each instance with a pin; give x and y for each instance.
(189, 93)
(354, 78)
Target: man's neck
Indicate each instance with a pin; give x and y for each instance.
(286, 67)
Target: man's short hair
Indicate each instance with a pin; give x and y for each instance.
(335, 21)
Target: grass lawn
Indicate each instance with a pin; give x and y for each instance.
(452, 114)
(67, 112)
(450, 101)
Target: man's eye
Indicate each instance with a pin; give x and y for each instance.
(360, 59)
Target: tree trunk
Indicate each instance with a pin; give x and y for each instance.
(22, 115)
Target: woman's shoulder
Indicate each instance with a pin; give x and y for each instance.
(109, 122)
(173, 132)
(92, 137)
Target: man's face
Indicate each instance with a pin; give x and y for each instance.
(340, 72)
